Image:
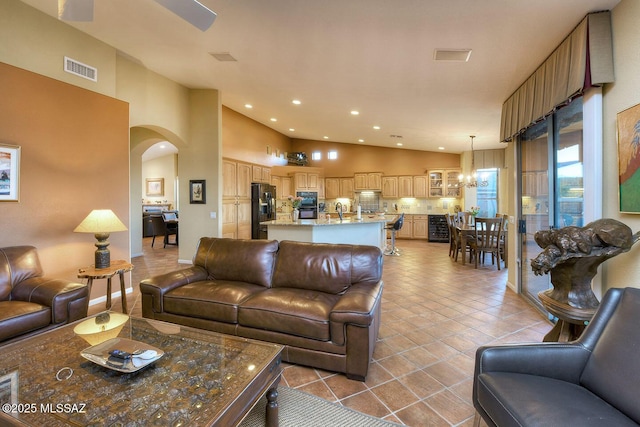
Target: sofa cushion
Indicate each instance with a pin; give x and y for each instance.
(323, 267)
(612, 366)
(290, 311)
(20, 317)
(214, 300)
(230, 259)
(517, 399)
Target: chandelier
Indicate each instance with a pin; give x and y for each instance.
(471, 181)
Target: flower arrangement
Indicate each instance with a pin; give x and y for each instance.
(295, 201)
(474, 210)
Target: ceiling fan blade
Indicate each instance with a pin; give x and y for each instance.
(75, 10)
(191, 11)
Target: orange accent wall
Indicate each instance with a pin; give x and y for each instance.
(75, 158)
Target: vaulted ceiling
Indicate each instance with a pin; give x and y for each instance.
(338, 56)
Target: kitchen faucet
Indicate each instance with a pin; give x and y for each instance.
(339, 210)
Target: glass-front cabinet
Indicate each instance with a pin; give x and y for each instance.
(444, 183)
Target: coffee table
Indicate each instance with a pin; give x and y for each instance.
(203, 379)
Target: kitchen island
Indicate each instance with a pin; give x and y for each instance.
(367, 231)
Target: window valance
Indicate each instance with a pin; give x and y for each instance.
(584, 59)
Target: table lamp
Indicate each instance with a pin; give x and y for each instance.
(101, 222)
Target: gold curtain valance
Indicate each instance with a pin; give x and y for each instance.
(584, 59)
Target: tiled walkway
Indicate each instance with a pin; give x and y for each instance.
(435, 314)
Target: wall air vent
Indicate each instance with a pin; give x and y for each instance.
(455, 55)
(79, 69)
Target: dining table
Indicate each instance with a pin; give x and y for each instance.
(469, 230)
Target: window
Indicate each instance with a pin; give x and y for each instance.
(487, 197)
(316, 155)
(333, 155)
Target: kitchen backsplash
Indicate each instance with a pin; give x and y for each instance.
(391, 206)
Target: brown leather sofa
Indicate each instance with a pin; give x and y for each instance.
(321, 301)
(31, 303)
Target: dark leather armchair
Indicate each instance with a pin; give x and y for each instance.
(593, 381)
(31, 303)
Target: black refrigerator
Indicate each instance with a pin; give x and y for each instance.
(263, 208)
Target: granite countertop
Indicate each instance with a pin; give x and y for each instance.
(333, 221)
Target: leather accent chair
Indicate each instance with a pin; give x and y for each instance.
(31, 303)
(593, 381)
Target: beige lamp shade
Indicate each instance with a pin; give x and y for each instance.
(101, 222)
(101, 328)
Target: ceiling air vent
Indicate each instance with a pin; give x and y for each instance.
(79, 69)
(223, 56)
(457, 55)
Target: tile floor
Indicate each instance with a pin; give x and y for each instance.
(436, 312)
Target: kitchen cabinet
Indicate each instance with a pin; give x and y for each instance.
(236, 199)
(304, 181)
(347, 188)
(535, 183)
(390, 187)
(420, 227)
(420, 186)
(283, 186)
(367, 181)
(332, 188)
(444, 183)
(406, 232)
(261, 174)
(405, 186)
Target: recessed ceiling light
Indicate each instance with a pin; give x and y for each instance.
(376, 127)
(455, 55)
(440, 148)
(399, 144)
(355, 112)
(296, 102)
(163, 146)
(361, 140)
(273, 119)
(292, 130)
(325, 137)
(249, 106)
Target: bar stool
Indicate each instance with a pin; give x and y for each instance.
(394, 227)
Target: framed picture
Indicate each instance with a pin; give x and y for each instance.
(155, 186)
(9, 173)
(628, 122)
(9, 388)
(197, 191)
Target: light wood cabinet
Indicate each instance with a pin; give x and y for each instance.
(261, 174)
(420, 227)
(236, 199)
(405, 186)
(420, 186)
(283, 186)
(389, 187)
(406, 232)
(364, 181)
(347, 188)
(444, 183)
(332, 188)
(306, 181)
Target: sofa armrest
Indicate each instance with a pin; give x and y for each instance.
(357, 306)
(156, 287)
(68, 300)
(563, 361)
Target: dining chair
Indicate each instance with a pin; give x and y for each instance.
(464, 218)
(503, 236)
(159, 228)
(487, 239)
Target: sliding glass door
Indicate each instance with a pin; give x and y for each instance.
(551, 174)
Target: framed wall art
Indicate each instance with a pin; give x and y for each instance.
(197, 191)
(9, 173)
(628, 122)
(155, 186)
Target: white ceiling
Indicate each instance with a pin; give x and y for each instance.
(374, 56)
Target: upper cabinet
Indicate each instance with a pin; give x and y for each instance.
(405, 186)
(306, 181)
(420, 186)
(444, 183)
(261, 174)
(368, 181)
(390, 187)
(347, 188)
(332, 188)
(236, 179)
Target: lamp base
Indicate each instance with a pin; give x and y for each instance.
(103, 256)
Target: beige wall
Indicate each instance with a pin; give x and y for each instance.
(360, 158)
(164, 167)
(75, 158)
(623, 270)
